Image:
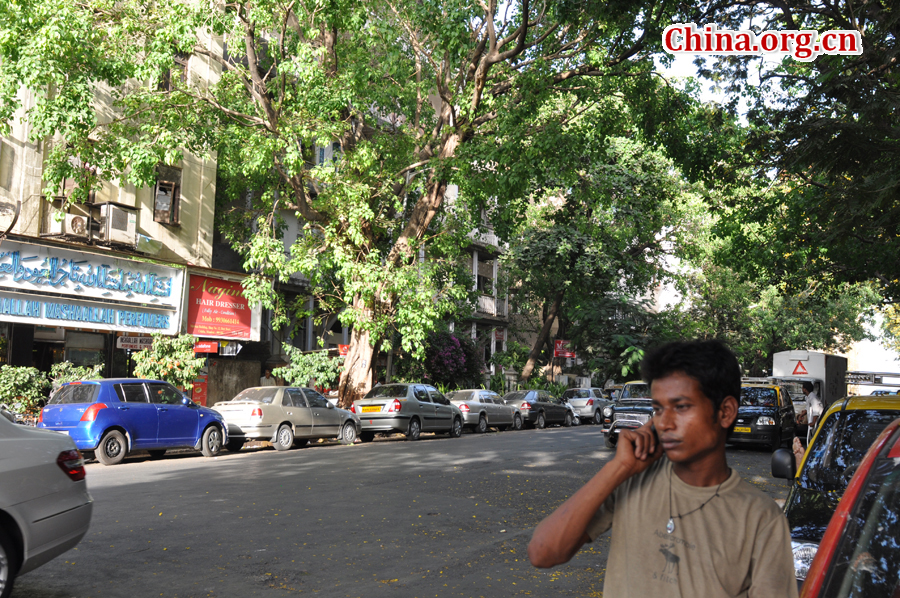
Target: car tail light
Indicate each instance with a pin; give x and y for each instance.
(464, 408)
(395, 406)
(72, 465)
(353, 408)
(590, 403)
(525, 407)
(90, 414)
(257, 412)
(41, 417)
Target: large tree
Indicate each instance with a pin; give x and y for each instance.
(402, 87)
(828, 133)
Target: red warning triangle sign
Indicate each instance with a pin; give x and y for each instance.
(800, 370)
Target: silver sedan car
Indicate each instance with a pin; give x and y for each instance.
(45, 507)
(285, 416)
(588, 403)
(407, 408)
(484, 408)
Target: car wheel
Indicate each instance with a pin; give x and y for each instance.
(157, 453)
(456, 428)
(348, 433)
(541, 422)
(598, 418)
(235, 446)
(568, 421)
(517, 422)
(284, 439)
(414, 430)
(482, 426)
(112, 449)
(8, 563)
(367, 436)
(211, 445)
(609, 440)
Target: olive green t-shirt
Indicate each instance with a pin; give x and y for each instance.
(737, 545)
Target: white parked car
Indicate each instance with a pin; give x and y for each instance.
(45, 508)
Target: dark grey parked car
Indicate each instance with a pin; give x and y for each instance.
(407, 408)
(539, 408)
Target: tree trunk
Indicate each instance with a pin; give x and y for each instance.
(542, 336)
(356, 379)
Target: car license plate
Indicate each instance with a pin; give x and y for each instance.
(371, 408)
(744, 430)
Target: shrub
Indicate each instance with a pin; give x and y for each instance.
(21, 388)
(170, 359)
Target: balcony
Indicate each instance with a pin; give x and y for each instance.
(490, 306)
(486, 237)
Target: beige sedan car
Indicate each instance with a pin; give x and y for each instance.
(285, 416)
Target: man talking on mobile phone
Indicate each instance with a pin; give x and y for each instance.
(683, 523)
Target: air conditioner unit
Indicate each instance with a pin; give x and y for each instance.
(72, 225)
(117, 224)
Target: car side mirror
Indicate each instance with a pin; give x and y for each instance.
(784, 464)
(330, 404)
(187, 402)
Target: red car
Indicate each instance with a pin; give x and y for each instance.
(859, 556)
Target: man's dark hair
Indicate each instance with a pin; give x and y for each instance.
(710, 363)
(808, 386)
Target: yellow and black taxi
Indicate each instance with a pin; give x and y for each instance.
(859, 555)
(845, 432)
(765, 416)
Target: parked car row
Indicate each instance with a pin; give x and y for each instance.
(107, 419)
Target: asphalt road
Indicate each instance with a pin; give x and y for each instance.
(437, 517)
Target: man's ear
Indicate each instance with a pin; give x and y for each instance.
(728, 411)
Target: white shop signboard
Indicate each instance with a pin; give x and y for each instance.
(57, 287)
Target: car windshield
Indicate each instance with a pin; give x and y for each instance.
(758, 397)
(867, 562)
(515, 396)
(636, 391)
(840, 445)
(388, 391)
(576, 393)
(461, 395)
(257, 395)
(75, 393)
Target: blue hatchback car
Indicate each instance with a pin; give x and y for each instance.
(115, 416)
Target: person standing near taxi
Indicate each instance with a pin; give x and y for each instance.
(683, 523)
(814, 408)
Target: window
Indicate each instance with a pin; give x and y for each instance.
(167, 195)
(293, 397)
(131, 393)
(421, 394)
(315, 399)
(437, 397)
(752, 396)
(164, 394)
(176, 75)
(75, 393)
(256, 395)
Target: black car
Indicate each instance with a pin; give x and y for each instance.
(765, 417)
(632, 410)
(539, 408)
